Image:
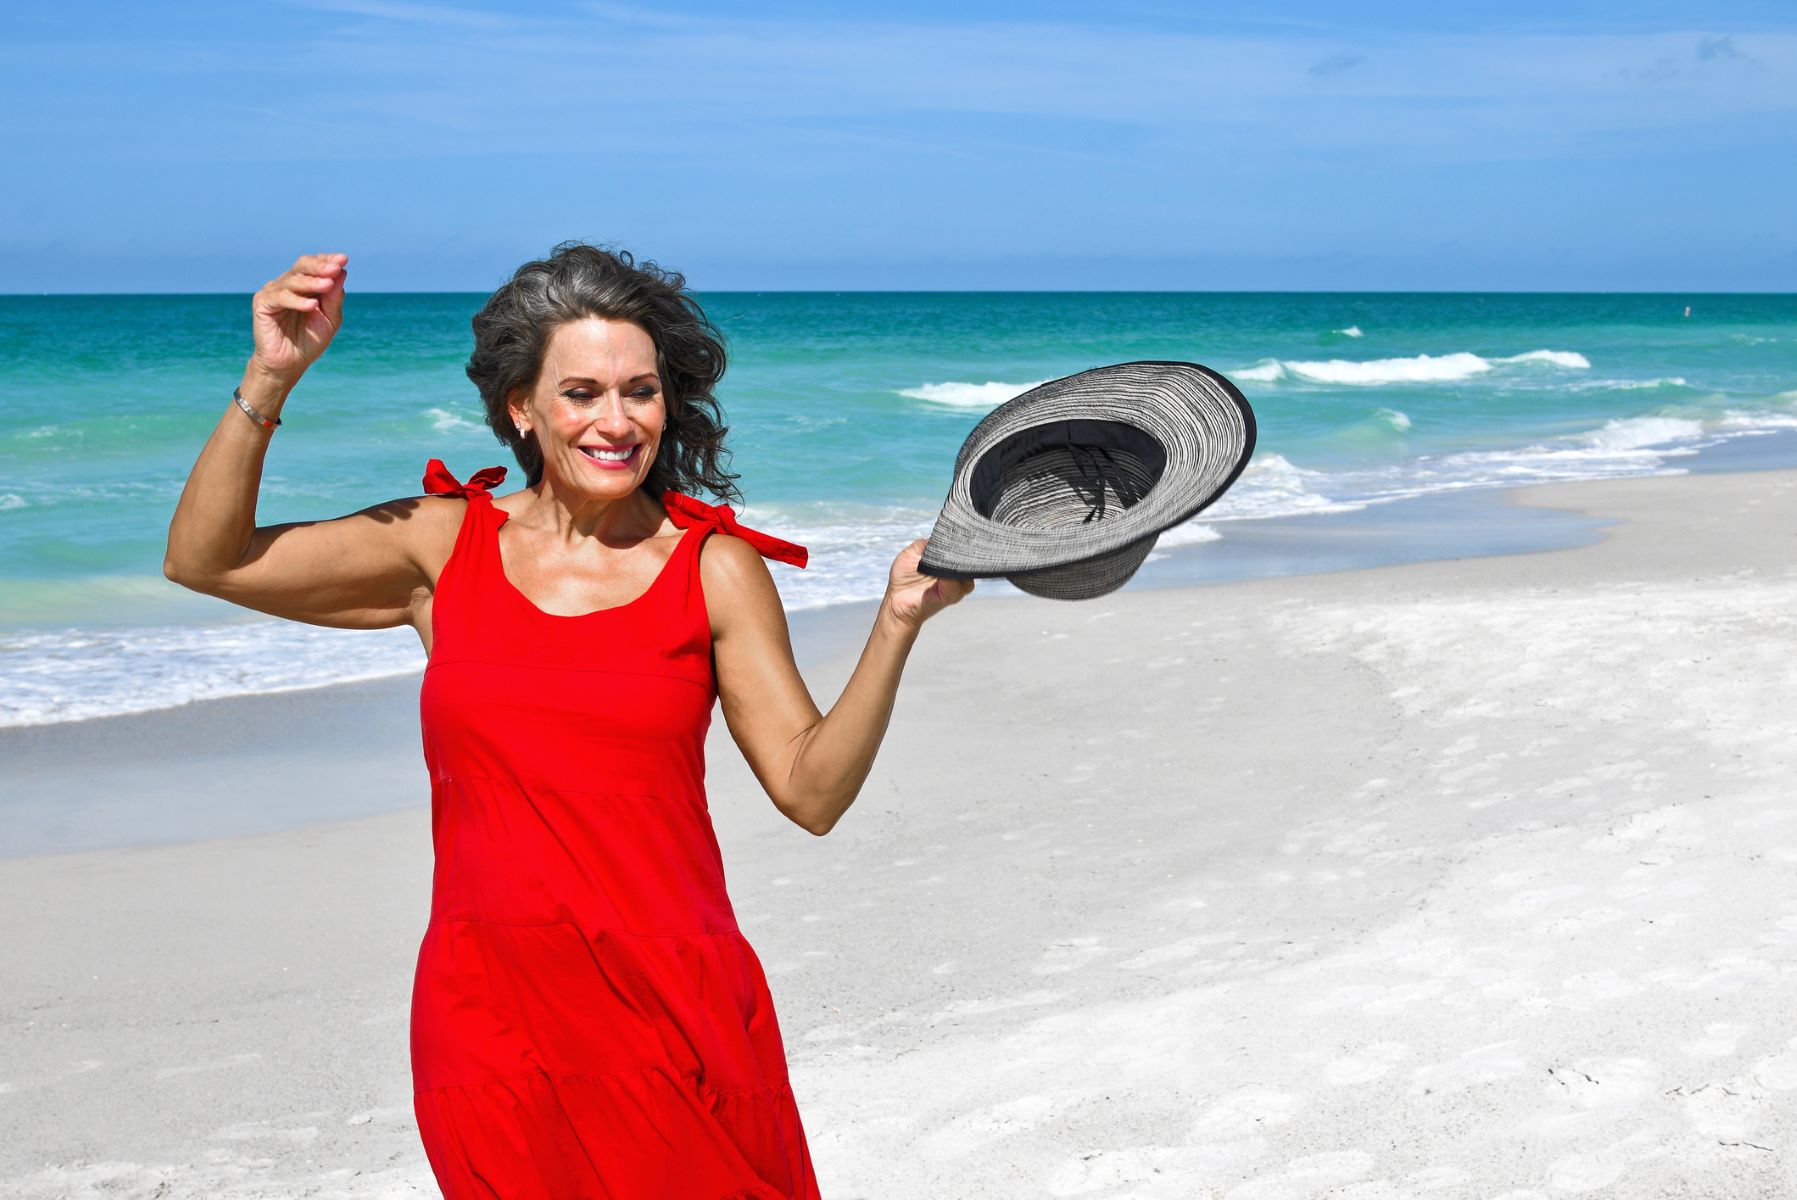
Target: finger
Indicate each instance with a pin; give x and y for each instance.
(331, 303)
(313, 284)
(295, 281)
(320, 264)
(283, 300)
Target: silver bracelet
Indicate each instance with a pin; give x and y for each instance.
(252, 414)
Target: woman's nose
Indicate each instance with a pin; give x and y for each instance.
(611, 420)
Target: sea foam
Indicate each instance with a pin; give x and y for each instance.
(1272, 486)
(1640, 433)
(444, 421)
(1418, 368)
(1191, 533)
(1637, 385)
(74, 674)
(1570, 359)
(968, 395)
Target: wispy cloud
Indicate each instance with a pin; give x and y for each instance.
(1335, 64)
(1514, 94)
(1710, 49)
(967, 134)
(405, 12)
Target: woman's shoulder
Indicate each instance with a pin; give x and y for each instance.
(733, 571)
(427, 526)
(729, 558)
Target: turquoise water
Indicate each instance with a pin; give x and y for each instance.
(847, 410)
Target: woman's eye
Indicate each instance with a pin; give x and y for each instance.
(580, 395)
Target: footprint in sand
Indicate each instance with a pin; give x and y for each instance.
(1718, 1041)
(1583, 993)
(997, 1004)
(1671, 828)
(1590, 1171)
(1069, 954)
(1527, 904)
(1725, 1112)
(236, 1060)
(1432, 1179)
(400, 1118)
(1603, 1082)
(1103, 1169)
(1366, 1064)
(1244, 1113)
(1378, 1000)
(1411, 1187)
(974, 1131)
(1591, 918)
(1733, 973)
(255, 1131)
(1778, 1072)
(1185, 948)
(1306, 1176)
(1482, 1064)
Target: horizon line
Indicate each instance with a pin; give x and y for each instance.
(739, 291)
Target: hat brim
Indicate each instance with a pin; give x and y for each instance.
(1201, 421)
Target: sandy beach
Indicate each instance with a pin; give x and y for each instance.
(1454, 879)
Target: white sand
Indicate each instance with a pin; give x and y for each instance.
(1465, 879)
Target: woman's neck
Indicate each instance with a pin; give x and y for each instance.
(573, 517)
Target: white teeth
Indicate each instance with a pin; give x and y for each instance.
(607, 455)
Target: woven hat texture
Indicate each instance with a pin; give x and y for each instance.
(1064, 489)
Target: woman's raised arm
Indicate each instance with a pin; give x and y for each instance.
(362, 571)
(811, 764)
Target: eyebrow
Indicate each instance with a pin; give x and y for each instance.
(569, 379)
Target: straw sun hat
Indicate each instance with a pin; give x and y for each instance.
(1064, 489)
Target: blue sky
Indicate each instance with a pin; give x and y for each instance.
(798, 144)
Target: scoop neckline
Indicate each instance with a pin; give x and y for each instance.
(514, 589)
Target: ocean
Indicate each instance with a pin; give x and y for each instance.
(846, 412)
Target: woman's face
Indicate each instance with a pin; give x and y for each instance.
(597, 409)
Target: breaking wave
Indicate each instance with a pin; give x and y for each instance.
(444, 421)
(1419, 368)
(968, 395)
(1189, 534)
(1639, 433)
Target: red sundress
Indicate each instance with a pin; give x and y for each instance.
(587, 1020)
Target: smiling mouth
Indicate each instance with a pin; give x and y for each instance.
(611, 458)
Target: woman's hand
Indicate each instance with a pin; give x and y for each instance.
(913, 597)
(296, 315)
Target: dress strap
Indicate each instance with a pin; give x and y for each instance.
(686, 512)
(439, 482)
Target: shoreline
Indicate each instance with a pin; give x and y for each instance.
(1449, 878)
(175, 775)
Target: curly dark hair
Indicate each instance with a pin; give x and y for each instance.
(577, 280)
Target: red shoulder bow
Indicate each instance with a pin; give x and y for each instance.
(685, 512)
(439, 482)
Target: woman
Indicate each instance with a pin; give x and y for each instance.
(587, 1020)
